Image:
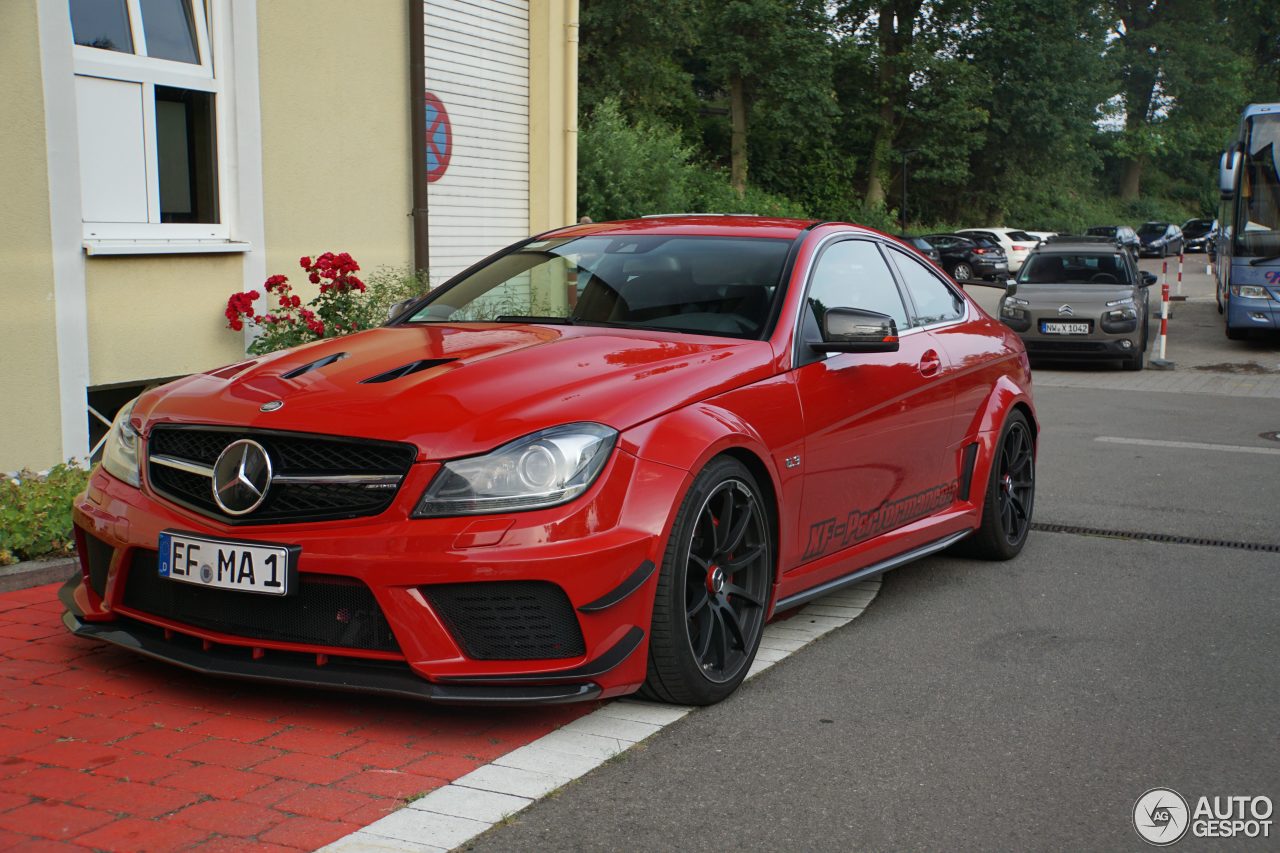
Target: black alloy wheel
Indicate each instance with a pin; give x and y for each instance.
(1010, 495)
(713, 589)
(1017, 482)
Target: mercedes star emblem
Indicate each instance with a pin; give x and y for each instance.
(241, 477)
(273, 406)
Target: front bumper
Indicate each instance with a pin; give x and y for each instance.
(1083, 348)
(1246, 313)
(599, 550)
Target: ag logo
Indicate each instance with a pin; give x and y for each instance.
(1161, 816)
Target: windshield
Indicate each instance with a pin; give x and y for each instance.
(1153, 229)
(706, 285)
(1101, 231)
(1074, 269)
(1196, 227)
(1258, 211)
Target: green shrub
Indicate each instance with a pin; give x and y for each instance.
(385, 287)
(627, 170)
(35, 513)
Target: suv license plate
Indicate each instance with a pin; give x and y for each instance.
(243, 566)
(1064, 328)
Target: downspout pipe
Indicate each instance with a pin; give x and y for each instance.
(571, 111)
(418, 132)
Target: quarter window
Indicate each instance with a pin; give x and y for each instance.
(935, 302)
(853, 274)
(147, 102)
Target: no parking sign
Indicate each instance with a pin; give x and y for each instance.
(439, 141)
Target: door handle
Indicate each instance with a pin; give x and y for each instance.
(930, 364)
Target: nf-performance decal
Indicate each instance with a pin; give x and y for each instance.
(832, 535)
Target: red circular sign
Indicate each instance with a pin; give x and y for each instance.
(439, 139)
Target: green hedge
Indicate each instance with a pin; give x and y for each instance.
(35, 513)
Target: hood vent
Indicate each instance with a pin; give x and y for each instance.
(315, 365)
(406, 369)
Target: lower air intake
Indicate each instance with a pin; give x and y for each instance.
(508, 620)
(326, 610)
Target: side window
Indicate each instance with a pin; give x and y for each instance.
(935, 301)
(853, 274)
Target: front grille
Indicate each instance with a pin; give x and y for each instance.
(325, 610)
(508, 620)
(1038, 346)
(292, 455)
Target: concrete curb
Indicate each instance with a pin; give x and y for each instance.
(36, 572)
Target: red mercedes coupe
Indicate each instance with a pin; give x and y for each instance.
(596, 462)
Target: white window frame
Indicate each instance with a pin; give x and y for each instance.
(210, 75)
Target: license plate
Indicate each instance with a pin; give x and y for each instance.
(225, 564)
(1064, 328)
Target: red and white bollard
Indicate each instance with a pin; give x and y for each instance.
(1160, 362)
(1179, 275)
(1164, 317)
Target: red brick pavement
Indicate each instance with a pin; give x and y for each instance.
(103, 750)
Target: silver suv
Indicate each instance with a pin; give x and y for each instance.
(1080, 298)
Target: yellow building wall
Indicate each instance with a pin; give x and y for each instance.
(334, 82)
(30, 426)
(553, 113)
(153, 317)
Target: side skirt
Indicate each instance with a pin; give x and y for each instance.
(871, 571)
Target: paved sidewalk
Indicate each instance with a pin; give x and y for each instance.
(102, 749)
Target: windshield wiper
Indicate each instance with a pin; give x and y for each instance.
(1266, 260)
(534, 318)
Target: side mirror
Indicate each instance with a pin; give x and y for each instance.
(1010, 286)
(396, 310)
(1146, 279)
(1227, 172)
(855, 330)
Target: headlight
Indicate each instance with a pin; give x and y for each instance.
(1012, 304)
(120, 451)
(1121, 314)
(547, 468)
(1250, 291)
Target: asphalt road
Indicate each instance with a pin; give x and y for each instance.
(1012, 706)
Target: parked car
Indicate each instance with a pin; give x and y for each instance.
(596, 462)
(1043, 236)
(924, 247)
(965, 258)
(1081, 299)
(1016, 244)
(1123, 235)
(1160, 239)
(1198, 234)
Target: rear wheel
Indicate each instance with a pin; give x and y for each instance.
(962, 272)
(1011, 492)
(713, 589)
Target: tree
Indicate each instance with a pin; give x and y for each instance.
(1179, 74)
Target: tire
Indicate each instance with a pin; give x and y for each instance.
(713, 589)
(1137, 361)
(1236, 334)
(1010, 497)
(1217, 297)
(962, 272)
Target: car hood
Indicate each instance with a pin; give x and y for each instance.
(461, 390)
(1053, 295)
